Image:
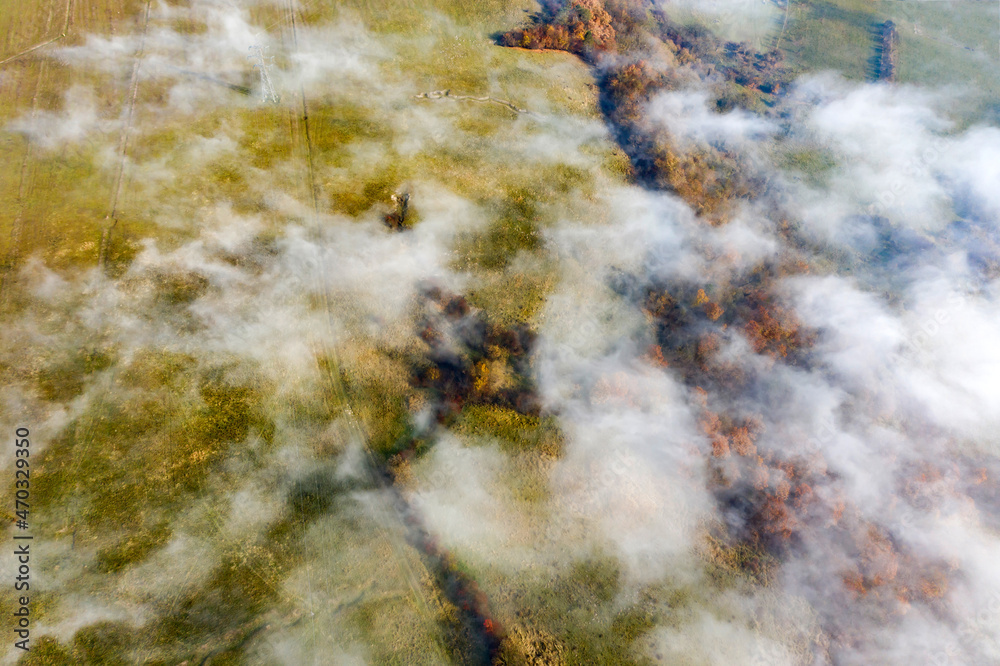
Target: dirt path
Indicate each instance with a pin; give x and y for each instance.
(112, 218)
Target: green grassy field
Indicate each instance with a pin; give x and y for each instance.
(165, 431)
(950, 45)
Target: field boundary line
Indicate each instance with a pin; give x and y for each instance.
(65, 30)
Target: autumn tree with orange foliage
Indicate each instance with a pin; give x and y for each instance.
(774, 500)
(772, 329)
(582, 27)
(707, 178)
(465, 353)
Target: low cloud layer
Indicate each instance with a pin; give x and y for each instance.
(867, 450)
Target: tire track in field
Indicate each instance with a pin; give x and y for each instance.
(290, 13)
(478, 637)
(390, 505)
(112, 218)
(331, 371)
(24, 180)
(103, 393)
